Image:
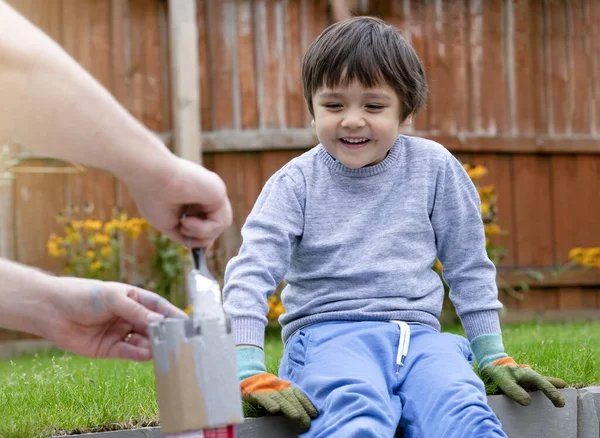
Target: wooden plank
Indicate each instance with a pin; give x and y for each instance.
(570, 298)
(590, 298)
(227, 167)
(99, 30)
(272, 161)
(588, 182)
(487, 104)
(519, 316)
(593, 14)
(561, 100)
(247, 61)
(540, 299)
(569, 278)
(268, 31)
(566, 205)
(409, 18)
(446, 24)
(527, 68)
(203, 19)
(221, 51)
(165, 66)
(510, 302)
(580, 71)
(294, 138)
(38, 199)
(86, 37)
(313, 20)
(7, 216)
(294, 93)
(575, 182)
(183, 37)
(500, 175)
(122, 70)
(533, 212)
(152, 75)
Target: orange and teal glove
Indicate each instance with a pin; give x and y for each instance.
(510, 377)
(274, 394)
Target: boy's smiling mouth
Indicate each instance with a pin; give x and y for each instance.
(355, 142)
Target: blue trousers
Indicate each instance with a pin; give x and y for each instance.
(348, 370)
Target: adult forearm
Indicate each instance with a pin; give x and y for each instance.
(51, 105)
(25, 298)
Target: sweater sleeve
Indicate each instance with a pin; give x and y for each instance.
(268, 237)
(460, 240)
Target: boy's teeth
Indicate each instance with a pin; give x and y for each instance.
(355, 140)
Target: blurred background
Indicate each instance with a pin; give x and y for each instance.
(514, 94)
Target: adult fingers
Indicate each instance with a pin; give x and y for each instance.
(155, 303)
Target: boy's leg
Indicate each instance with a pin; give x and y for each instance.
(441, 394)
(347, 371)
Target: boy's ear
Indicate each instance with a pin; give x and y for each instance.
(312, 123)
(407, 122)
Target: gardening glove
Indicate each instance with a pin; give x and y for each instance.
(510, 377)
(274, 394)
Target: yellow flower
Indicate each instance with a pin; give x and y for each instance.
(437, 266)
(96, 266)
(53, 248)
(92, 225)
(77, 225)
(73, 236)
(123, 217)
(576, 254)
(189, 310)
(485, 208)
(134, 230)
(101, 239)
(106, 251)
(111, 226)
(477, 172)
(492, 229)
(90, 254)
(466, 166)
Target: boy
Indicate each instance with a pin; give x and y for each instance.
(355, 226)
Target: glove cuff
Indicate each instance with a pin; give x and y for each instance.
(487, 349)
(250, 361)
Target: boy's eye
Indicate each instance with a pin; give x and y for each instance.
(375, 107)
(332, 105)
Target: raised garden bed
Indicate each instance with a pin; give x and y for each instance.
(580, 418)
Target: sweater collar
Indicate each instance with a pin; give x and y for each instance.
(360, 172)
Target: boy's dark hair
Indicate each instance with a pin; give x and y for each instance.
(371, 51)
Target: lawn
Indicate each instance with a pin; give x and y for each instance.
(55, 393)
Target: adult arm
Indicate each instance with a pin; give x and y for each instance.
(50, 104)
(88, 317)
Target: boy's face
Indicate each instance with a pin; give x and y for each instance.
(357, 125)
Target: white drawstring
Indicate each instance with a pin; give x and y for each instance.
(402, 344)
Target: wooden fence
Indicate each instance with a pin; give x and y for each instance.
(515, 86)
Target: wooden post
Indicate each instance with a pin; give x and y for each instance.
(7, 210)
(183, 34)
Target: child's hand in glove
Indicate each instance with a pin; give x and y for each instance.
(274, 394)
(510, 377)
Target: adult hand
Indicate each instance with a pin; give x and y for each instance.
(186, 188)
(104, 319)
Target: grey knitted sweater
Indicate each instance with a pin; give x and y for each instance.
(359, 244)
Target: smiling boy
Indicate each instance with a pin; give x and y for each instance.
(354, 226)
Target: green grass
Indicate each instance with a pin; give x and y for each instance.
(55, 393)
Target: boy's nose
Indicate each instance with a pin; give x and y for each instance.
(353, 120)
